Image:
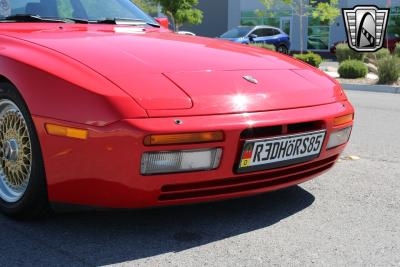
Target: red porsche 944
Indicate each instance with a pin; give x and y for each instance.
(102, 106)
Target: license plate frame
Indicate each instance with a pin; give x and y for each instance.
(287, 161)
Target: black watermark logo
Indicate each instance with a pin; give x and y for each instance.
(366, 27)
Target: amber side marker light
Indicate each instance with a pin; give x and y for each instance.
(64, 131)
(186, 138)
(344, 119)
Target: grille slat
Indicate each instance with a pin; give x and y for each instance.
(242, 188)
(244, 183)
(270, 131)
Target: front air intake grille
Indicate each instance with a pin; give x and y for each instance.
(245, 183)
(269, 131)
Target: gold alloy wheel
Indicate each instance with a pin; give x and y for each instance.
(15, 152)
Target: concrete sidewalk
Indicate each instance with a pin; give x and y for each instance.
(372, 88)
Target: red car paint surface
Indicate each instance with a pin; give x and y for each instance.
(122, 83)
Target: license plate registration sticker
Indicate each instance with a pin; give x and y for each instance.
(264, 154)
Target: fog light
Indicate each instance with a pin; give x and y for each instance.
(339, 137)
(180, 161)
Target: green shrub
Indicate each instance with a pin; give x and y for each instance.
(378, 55)
(352, 69)
(265, 46)
(389, 69)
(397, 50)
(344, 52)
(310, 58)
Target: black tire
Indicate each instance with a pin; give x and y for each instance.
(34, 202)
(282, 49)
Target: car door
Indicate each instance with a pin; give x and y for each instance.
(279, 38)
(268, 36)
(260, 33)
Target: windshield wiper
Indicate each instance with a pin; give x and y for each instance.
(37, 18)
(76, 20)
(123, 21)
(30, 18)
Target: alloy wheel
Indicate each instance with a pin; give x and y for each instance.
(15, 152)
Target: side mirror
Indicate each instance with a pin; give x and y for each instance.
(164, 22)
(253, 36)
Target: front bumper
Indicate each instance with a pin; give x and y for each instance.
(104, 170)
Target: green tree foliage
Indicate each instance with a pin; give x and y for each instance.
(149, 6)
(344, 52)
(397, 50)
(65, 9)
(352, 69)
(265, 46)
(389, 70)
(326, 11)
(267, 7)
(181, 11)
(310, 58)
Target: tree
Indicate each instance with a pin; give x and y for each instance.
(267, 7)
(326, 11)
(181, 11)
(149, 6)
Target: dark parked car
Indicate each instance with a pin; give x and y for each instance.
(314, 42)
(259, 34)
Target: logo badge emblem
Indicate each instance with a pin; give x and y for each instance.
(250, 79)
(366, 27)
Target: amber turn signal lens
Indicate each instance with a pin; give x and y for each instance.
(344, 119)
(186, 138)
(59, 130)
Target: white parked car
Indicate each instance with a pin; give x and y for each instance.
(186, 33)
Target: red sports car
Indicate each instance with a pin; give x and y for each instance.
(101, 106)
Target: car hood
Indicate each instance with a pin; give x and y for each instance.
(170, 74)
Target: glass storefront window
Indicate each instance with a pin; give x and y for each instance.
(394, 22)
(250, 18)
(251, 21)
(318, 38)
(318, 34)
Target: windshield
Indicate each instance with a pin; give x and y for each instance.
(92, 10)
(237, 32)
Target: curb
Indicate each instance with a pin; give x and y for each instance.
(372, 88)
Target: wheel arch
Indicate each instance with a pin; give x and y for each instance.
(11, 86)
(283, 44)
(35, 200)
(4, 79)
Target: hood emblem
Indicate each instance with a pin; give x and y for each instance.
(250, 79)
(178, 122)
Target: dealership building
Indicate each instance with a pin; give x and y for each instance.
(221, 15)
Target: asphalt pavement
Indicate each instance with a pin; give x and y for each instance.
(347, 217)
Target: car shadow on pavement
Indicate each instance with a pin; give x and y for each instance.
(100, 238)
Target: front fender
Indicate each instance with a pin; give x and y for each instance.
(56, 86)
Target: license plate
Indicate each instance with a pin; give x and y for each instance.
(264, 154)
